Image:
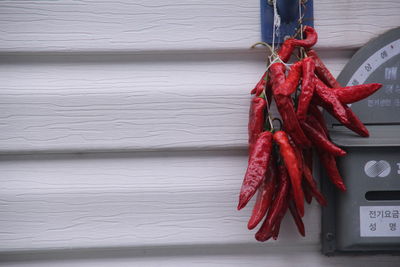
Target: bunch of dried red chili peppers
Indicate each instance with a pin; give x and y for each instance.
(280, 161)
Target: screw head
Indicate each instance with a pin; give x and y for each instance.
(329, 236)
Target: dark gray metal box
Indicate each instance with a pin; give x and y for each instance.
(371, 170)
(366, 217)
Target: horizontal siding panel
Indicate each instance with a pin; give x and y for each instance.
(210, 255)
(31, 26)
(87, 103)
(129, 200)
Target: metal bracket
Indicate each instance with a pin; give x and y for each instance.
(288, 10)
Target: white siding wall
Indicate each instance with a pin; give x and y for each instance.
(123, 131)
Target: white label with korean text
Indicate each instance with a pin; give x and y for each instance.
(381, 221)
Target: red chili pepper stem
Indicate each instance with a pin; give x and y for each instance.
(263, 44)
(273, 52)
(263, 93)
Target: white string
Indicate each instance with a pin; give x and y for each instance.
(277, 24)
(273, 58)
(301, 20)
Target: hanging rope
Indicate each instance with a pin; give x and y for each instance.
(273, 57)
(277, 24)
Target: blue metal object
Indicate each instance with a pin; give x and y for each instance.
(289, 13)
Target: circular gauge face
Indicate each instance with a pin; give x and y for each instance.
(377, 62)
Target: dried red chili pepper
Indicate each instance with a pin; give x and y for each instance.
(277, 225)
(309, 184)
(308, 157)
(264, 197)
(278, 204)
(289, 204)
(256, 170)
(351, 94)
(256, 120)
(307, 88)
(297, 219)
(277, 74)
(352, 122)
(307, 192)
(290, 122)
(326, 159)
(259, 88)
(298, 154)
(328, 99)
(317, 114)
(329, 163)
(288, 45)
(355, 124)
(292, 80)
(310, 39)
(319, 140)
(292, 165)
(312, 186)
(286, 50)
(286, 108)
(322, 71)
(276, 228)
(314, 123)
